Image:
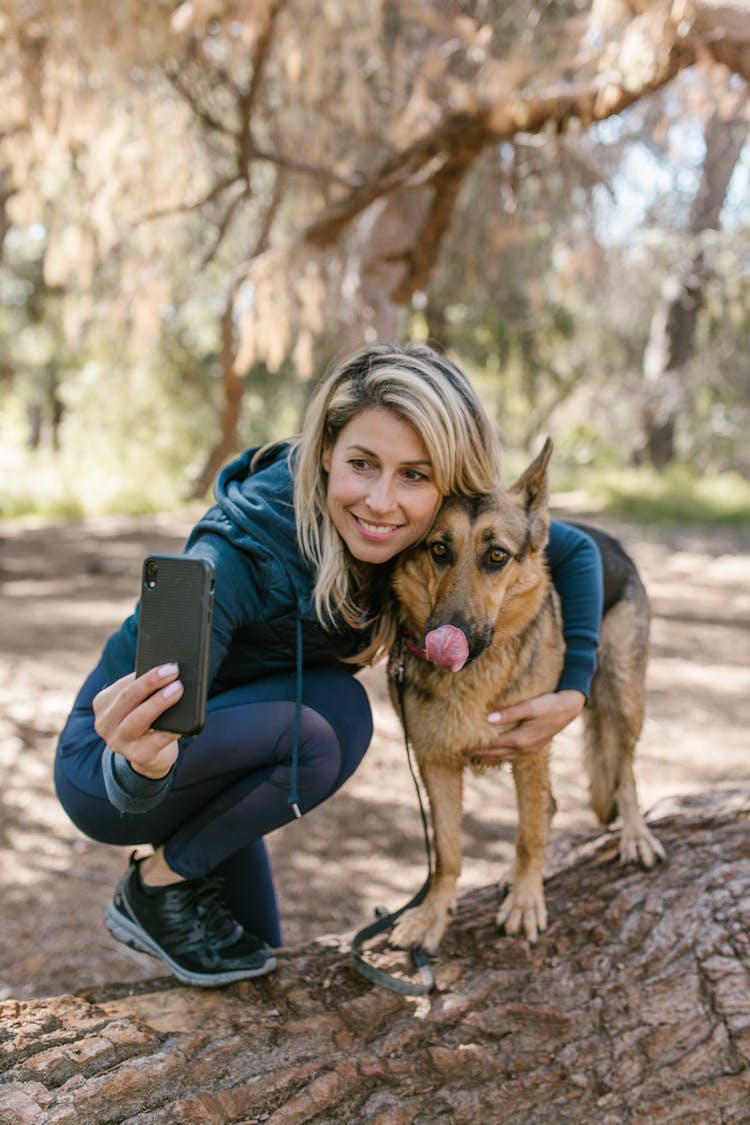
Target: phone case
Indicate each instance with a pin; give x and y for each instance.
(175, 625)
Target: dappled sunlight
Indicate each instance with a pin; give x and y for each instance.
(725, 682)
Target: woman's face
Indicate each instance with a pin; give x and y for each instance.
(381, 494)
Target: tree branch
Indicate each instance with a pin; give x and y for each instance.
(411, 166)
(423, 254)
(532, 111)
(185, 208)
(246, 99)
(223, 227)
(199, 110)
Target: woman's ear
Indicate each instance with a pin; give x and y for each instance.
(325, 457)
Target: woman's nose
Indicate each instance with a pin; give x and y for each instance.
(380, 498)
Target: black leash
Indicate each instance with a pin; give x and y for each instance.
(385, 921)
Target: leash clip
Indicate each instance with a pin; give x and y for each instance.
(421, 962)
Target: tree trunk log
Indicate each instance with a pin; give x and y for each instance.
(633, 1007)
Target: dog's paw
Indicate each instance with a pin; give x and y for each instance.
(523, 909)
(639, 845)
(421, 928)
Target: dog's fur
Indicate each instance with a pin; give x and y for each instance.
(481, 569)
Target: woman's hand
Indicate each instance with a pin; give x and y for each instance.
(124, 712)
(536, 721)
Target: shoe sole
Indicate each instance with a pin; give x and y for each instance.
(131, 934)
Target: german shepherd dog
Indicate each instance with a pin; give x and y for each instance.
(477, 595)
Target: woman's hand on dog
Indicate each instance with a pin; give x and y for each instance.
(124, 712)
(536, 722)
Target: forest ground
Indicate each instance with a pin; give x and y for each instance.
(65, 587)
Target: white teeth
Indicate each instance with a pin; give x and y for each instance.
(377, 528)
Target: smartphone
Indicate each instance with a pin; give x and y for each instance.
(175, 625)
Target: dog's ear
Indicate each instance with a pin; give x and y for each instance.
(532, 488)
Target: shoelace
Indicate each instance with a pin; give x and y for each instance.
(196, 914)
(218, 923)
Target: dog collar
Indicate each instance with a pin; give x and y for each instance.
(395, 665)
(408, 638)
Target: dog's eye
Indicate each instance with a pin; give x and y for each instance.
(439, 552)
(497, 557)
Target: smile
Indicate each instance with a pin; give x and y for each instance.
(376, 530)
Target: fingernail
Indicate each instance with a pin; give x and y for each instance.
(495, 717)
(168, 670)
(171, 690)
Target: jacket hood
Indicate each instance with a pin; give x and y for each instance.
(258, 499)
(254, 509)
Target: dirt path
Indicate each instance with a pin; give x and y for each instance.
(63, 589)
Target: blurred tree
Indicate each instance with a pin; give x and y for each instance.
(499, 295)
(672, 331)
(296, 169)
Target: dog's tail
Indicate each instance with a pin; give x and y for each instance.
(614, 716)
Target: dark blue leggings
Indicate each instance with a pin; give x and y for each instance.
(231, 784)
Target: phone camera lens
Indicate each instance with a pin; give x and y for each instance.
(151, 572)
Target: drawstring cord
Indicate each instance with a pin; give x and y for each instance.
(293, 798)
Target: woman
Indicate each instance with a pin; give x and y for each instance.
(301, 537)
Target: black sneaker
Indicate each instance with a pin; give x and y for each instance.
(189, 928)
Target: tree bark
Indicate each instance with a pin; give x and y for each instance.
(633, 1007)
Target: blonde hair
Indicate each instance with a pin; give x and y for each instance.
(426, 390)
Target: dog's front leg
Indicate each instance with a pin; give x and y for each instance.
(524, 905)
(425, 925)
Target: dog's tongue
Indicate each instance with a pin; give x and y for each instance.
(447, 647)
